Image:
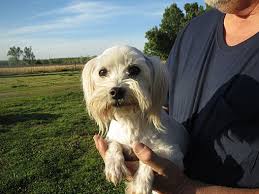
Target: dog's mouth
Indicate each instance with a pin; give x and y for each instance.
(121, 104)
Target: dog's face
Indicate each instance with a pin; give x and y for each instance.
(123, 81)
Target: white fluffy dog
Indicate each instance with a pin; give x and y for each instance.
(124, 92)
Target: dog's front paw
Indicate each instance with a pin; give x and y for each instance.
(143, 180)
(141, 187)
(115, 170)
(142, 184)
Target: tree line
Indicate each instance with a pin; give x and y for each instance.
(64, 61)
(25, 57)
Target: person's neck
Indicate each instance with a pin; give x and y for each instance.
(242, 25)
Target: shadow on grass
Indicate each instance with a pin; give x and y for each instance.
(10, 119)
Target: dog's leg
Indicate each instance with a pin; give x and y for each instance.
(115, 169)
(143, 180)
(130, 189)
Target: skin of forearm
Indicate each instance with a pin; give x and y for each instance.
(224, 190)
(194, 187)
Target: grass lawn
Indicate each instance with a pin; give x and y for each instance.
(46, 141)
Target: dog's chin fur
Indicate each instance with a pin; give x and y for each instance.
(136, 117)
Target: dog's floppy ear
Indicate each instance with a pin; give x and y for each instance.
(93, 109)
(88, 84)
(159, 89)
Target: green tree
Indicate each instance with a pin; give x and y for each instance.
(192, 10)
(208, 7)
(161, 39)
(28, 55)
(14, 54)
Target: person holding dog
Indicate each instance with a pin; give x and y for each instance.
(214, 93)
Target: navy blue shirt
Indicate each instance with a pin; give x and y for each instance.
(214, 92)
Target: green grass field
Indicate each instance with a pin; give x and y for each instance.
(46, 143)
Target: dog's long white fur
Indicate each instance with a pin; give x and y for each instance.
(140, 117)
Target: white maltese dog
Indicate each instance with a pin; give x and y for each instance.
(124, 92)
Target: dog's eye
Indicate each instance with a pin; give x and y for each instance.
(103, 72)
(133, 71)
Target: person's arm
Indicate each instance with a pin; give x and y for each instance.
(168, 178)
(219, 190)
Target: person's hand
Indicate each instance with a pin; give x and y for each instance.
(168, 178)
(131, 161)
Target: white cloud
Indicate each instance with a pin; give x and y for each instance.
(82, 7)
(70, 16)
(66, 22)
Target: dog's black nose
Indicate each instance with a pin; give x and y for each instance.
(117, 93)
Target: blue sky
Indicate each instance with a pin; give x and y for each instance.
(67, 28)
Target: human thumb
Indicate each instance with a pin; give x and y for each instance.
(147, 156)
(142, 152)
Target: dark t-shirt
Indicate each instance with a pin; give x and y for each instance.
(214, 92)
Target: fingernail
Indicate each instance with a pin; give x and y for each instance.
(96, 137)
(138, 147)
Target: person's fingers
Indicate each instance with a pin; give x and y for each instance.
(147, 156)
(101, 145)
(96, 137)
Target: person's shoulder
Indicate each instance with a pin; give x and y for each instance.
(207, 18)
(201, 26)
